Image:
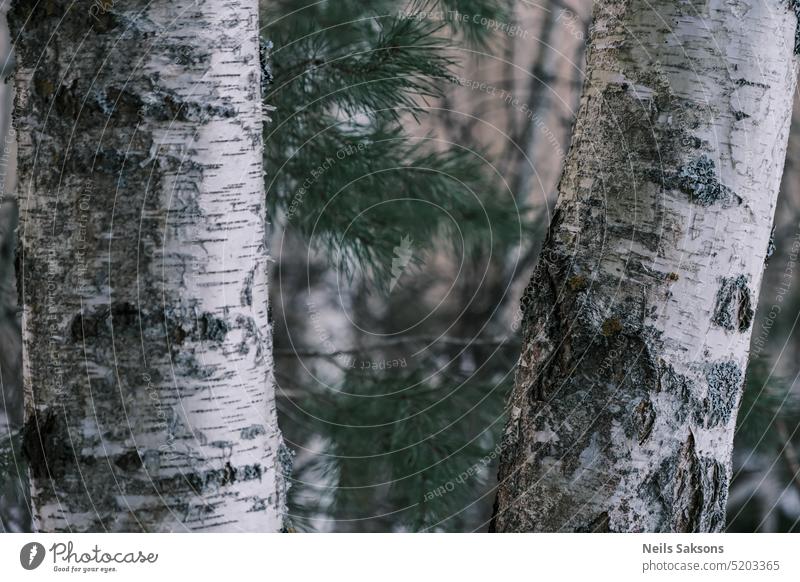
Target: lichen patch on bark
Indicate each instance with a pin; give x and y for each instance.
(699, 180)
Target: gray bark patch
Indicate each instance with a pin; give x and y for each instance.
(724, 381)
(286, 466)
(251, 432)
(734, 308)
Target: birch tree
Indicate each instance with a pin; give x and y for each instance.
(143, 269)
(638, 315)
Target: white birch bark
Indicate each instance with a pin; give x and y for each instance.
(638, 316)
(143, 267)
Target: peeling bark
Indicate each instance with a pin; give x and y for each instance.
(638, 314)
(143, 267)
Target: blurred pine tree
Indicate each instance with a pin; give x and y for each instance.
(398, 448)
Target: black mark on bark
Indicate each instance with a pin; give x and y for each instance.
(770, 246)
(246, 295)
(600, 524)
(645, 417)
(130, 461)
(45, 444)
(734, 308)
(795, 6)
(211, 479)
(212, 328)
(746, 83)
(264, 53)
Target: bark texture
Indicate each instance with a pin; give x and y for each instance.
(638, 315)
(142, 267)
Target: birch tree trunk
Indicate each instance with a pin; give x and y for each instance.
(143, 268)
(638, 315)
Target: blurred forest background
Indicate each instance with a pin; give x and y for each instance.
(413, 159)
